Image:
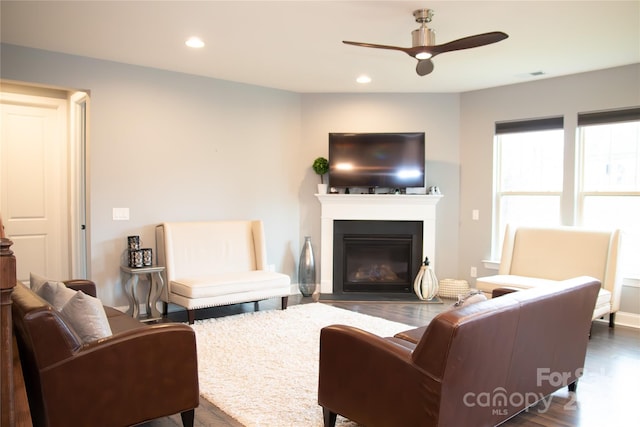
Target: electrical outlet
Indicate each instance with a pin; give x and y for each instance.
(475, 214)
(473, 272)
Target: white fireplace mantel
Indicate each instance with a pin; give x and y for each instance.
(373, 207)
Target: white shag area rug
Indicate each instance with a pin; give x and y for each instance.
(261, 368)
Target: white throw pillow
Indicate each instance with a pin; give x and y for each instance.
(86, 316)
(36, 281)
(55, 293)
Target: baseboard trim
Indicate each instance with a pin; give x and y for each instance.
(631, 320)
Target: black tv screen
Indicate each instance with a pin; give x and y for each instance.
(386, 160)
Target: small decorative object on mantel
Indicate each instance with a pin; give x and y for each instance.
(307, 269)
(433, 190)
(321, 167)
(426, 283)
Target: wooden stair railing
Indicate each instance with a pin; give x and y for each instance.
(7, 283)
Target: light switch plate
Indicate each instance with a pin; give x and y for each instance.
(120, 214)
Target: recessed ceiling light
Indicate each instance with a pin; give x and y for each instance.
(194, 42)
(363, 79)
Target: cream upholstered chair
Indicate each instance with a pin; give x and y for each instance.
(534, 256)
(215, 263)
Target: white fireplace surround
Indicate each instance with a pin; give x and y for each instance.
(373, 207)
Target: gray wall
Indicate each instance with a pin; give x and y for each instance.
(214, 149)
(567, 96)
(435, 114)
(173, 146)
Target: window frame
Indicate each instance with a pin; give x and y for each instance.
(607, 117)
(512, 127)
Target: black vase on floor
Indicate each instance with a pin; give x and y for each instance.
(307, 269)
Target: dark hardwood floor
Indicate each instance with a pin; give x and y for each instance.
(607, 395)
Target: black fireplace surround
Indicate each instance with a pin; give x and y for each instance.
(376, 256)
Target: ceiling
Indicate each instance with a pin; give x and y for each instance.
(297, 45)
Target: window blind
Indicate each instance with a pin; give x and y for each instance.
(610, 116)
(532, 125)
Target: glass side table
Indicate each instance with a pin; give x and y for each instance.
(156, 283)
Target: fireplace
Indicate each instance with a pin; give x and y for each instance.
(374, 207)
(376, 256)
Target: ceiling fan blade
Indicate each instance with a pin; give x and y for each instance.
(469, 42)
(377, 46)
(424, 67)
(424, 48)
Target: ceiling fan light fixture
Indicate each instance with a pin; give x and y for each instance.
(423, 36)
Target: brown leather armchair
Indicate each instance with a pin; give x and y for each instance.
(140, 373)
(474, 365)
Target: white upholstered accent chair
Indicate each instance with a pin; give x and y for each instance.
(533, 256)
(214, 263)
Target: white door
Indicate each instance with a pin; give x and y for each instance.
(34, 183)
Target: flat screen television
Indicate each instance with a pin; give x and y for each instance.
(377, 160)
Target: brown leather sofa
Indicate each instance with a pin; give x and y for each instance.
(476, 365)
(140, 373)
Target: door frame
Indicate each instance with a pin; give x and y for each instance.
(77, 222)
(78, 185)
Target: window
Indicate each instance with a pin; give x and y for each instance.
(609, 178)
(528, 175)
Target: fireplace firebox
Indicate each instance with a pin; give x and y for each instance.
(376, 256)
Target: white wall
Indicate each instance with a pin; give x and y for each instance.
(173, 146)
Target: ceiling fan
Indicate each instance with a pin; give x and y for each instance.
(424, 47)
